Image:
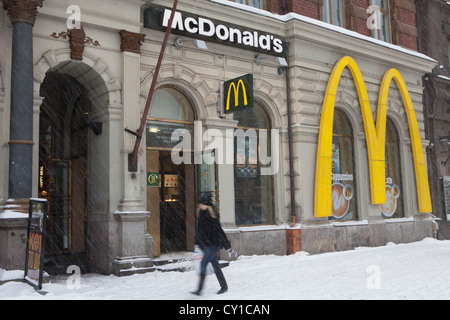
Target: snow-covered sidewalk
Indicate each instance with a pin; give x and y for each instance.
(405, 271)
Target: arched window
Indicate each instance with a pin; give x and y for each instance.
(170, 110)
(343, 179)
(253, 191)
(393, 208)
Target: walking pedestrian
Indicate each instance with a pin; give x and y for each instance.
(210, 237)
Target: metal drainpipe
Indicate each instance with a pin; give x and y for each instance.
(291, 148)
(290, 139)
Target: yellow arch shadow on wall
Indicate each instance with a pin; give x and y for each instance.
(375, 137)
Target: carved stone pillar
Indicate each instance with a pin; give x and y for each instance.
(134, 244)
(134, 197)
(23, 15)
(13, 231)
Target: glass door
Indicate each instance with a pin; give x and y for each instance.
(55, 186)
(206, 179)
(172, 205)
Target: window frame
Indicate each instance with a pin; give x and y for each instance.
(351, 138)
(171, 121)
(391, 144)
(343, 9)
(247, 2)
(386, 12)
(272, 182)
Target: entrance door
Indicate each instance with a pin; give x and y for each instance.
(55, 176)
(175, 199)
(171, 200)
(62, 183)
(63, 136)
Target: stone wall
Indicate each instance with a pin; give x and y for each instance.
(339, 237)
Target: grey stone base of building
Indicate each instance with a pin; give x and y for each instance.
(320, 239)
(13, 233)
(255, 241)
(13, 240)
(316, 239)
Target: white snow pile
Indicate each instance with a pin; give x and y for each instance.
(404, 271)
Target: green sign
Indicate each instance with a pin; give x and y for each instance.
(238, 93)
(152, 179)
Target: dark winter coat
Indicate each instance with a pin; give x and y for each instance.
(209, 231)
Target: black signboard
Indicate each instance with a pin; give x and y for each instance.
(159, 134)
(208, 29)
(238, 93)
(35, 250)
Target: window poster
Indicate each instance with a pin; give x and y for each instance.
(341, 189)
(392, 194)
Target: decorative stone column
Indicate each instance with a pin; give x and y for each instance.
(134, 243)
(133, 198)
(13, 230)
(23, 15)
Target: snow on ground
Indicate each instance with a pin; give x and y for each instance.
(405, 271)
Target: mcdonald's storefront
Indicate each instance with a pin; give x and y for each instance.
(357, 132)
(332, 156)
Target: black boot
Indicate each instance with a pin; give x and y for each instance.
(200, 285)
(222, 282)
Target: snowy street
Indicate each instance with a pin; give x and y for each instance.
(404, 271)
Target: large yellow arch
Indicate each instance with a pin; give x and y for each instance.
(375, 137)
(420, 167)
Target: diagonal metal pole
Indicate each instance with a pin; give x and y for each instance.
(132, 158)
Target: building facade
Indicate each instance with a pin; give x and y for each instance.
(310, 174)
(434, 35)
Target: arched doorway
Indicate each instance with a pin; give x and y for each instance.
(170, 187)
(72, 92)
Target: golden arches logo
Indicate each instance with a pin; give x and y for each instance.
(236, 93)
(375, 137)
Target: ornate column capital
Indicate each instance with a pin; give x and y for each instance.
(78, 40)
(22, 10)
(131, 42)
